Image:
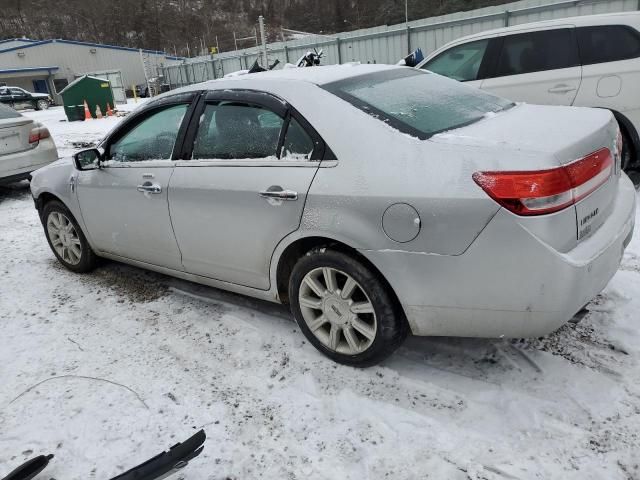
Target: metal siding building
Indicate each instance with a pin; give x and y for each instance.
(27, 63)
(389, 43)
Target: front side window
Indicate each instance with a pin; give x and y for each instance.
(461, 62)
(417, 102)
(538, 52)
(153, 138)
(608, 43)
(16, 91)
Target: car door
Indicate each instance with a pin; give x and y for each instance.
(466, 62)
(244, 186)
(124, 203)
(540, 67)
(20, 98)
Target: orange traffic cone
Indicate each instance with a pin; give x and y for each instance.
(98, 112)
(87, 113)
(109, 111)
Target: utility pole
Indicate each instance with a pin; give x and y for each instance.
(406, 22)
(217, 45)
(265, 59)
(235, 40)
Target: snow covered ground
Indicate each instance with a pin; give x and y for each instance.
(107, 369)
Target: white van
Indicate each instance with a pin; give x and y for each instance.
(590, 61)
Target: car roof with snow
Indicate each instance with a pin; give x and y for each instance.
(313, 75)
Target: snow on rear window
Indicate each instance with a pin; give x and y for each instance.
(416, 102)
(6, 112)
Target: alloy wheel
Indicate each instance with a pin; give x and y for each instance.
(337, 311)
(64, 238)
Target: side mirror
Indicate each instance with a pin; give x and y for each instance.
(88, 159)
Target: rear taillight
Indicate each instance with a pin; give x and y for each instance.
(38, 133)
(546, 191)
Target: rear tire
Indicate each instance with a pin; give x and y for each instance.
(344, 309)
(66, 239)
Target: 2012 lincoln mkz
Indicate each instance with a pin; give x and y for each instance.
(376, 201)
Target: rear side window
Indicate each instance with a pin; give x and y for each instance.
(237, 130)
(298, 145)
(608, 43)
(538, 52)
(417, 102)
(6, 112)
(461, 62)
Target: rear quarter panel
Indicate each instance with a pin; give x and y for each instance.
(379, 166)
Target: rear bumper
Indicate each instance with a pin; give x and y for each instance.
(21, 164)
(508, 283)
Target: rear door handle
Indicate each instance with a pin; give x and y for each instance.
(279, 194)
(563, 88)
(148, 187)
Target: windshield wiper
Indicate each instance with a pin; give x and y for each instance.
(156, 468)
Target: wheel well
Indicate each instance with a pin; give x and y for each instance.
(43, 199)
(627, 128)
(301, 247)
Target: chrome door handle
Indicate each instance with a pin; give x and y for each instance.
(279, 194)
(562, 89)
(149, 187)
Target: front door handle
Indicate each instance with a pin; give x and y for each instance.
(279, 193)
(148, 187)
(563, 88)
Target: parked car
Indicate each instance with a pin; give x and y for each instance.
(375, 200)
(25, 146)
(18, 98)
(590, 61)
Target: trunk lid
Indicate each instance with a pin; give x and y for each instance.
(14, 135)
(541, 138)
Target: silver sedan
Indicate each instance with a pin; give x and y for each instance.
(376, 201)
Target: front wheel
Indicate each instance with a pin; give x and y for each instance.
(42, 105)
(66, 239)
(344, 309)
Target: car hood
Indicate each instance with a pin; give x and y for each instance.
(561, 134)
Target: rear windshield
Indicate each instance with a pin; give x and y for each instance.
(6, 112)
(416, 102)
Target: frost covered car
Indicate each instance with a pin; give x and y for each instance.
(25, 146)
(375, 200)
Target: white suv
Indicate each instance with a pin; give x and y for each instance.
(590, 61)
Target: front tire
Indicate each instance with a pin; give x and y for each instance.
(42, 105)
(344, 309)
(66, 239)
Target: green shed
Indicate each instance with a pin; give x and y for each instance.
(95, 91)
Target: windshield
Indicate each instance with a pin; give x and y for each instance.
(6, 112)
(417, 102)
